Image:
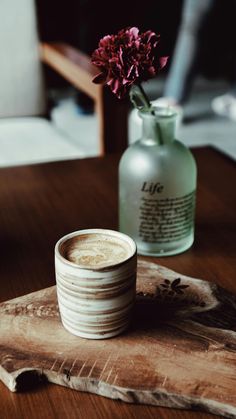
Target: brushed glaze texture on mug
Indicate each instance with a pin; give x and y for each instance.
(96, 303)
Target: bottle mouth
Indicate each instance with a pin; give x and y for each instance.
(162, 112)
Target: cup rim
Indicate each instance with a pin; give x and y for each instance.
(95, 231)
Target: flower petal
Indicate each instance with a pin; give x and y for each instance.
(127, 58)
(100, 78)
(163, 61)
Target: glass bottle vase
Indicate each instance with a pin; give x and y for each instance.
(157, 186)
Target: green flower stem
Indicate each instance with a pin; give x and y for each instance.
(139, 98)
(140, 101)
(146, 100)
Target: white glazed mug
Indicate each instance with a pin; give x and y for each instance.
(96, 282)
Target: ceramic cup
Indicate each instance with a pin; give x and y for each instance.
(96, 282)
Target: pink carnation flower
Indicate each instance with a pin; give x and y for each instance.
(127, 58)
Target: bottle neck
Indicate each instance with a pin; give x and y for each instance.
(159, 126)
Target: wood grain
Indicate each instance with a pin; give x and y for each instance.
(41, 203)
(179, 352)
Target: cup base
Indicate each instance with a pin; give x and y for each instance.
(96, 336)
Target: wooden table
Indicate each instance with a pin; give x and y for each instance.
(40, 203)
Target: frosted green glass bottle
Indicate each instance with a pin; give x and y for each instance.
(157, 185)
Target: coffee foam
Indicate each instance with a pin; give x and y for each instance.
(96, 250)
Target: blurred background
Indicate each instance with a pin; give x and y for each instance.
(81, 23)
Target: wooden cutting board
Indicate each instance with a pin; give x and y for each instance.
(179, 352)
